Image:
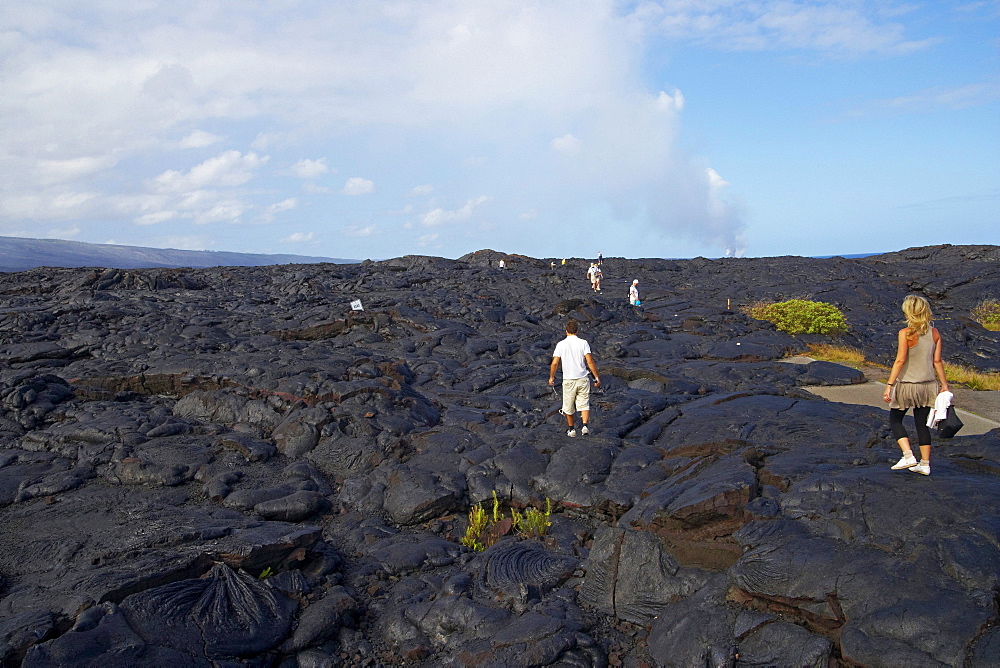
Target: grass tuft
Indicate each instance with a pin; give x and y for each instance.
(971, 378)
(829, 352)
(987, 314)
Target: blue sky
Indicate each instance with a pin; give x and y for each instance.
(673, 128)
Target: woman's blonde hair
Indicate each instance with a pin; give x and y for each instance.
(918, 314)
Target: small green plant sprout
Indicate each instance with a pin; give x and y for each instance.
(496, 507)
(477, 525)
(266, 573)
(800, 316)
(485, 529)
(533, 523)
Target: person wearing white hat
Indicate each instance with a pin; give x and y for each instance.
(633, 293)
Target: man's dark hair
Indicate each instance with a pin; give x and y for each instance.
(572, 326)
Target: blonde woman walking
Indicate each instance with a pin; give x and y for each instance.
(912, 382)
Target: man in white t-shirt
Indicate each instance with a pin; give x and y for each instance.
(576, 358)
(633, 293)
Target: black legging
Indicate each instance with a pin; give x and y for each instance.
(920, 414)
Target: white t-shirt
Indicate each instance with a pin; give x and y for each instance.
(572, 351)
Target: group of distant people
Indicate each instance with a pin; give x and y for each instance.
(576, 358)
(916, 380)
(595, 274)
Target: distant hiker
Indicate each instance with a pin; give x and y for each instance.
(598, 275)
(564, 261)
(552, 265)
(592, 275)
(600, 258)
(633, 293)
(912, 384)
(502, 265)
(576, 358)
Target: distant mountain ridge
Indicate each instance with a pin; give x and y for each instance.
(19, 254)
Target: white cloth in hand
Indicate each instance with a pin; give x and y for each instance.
(940, 409)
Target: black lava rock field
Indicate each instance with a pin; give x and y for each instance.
(231, 467)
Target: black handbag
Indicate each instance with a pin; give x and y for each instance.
(950, 425)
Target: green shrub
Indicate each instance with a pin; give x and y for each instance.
(799, 316)
(987, 313)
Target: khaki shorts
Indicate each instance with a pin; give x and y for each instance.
(576, 395)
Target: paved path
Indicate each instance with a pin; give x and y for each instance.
(870, 394)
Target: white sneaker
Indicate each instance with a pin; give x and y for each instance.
(905, 462)
(922, 467)
(571, 433)
(584, 431)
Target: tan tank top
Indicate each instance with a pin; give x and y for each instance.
(919, 364)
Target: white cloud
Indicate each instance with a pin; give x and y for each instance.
(297, 238)
(223, 212)
(231, 168)
(57, 171)
(283, 205)
(360, 230)
(310, 169)
(266, 140)
(836, 27)
(673, 102)
(270, 213)
(200, 139)
(68, 204)
(472, 95)
(567, 144)
(716, 186)
(429, 240)
(488, 78)
(440, 216)
(358, 186)
(421, 190)
(155, 218)
(954, 97)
